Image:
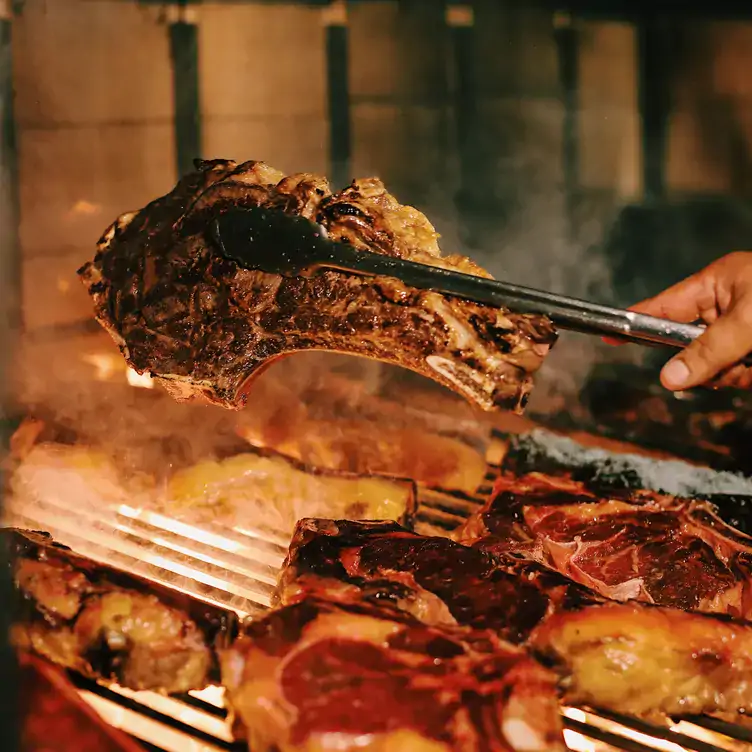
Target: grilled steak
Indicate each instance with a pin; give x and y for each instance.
(644, 660)
(251, 488)
(433, 578)
(324, 676)
(108, 625)
(191, 317)
(270, 489)
(624, 545)
(633, 658)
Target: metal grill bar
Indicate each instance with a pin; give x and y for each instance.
(732, 731)
(236, 568)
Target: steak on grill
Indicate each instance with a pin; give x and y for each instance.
(633, 658)
(108, 625)
(352, 676)
(203, 326)
(436, 580)
(625, 545)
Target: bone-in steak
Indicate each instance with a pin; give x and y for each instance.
(334, 676)
(191, 317)
(630, 657)
(625, 545)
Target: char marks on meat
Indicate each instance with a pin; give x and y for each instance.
(625, 545)
(203, 326)
(334, 676)
(434, 578)
(630, 657)
(108, 625)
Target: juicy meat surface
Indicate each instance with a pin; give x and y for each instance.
(632, 658)
(203, 326)
(108, 625)
(318, 676)
(625, 545)
(437, 580)
(648, 660)
(274, 491)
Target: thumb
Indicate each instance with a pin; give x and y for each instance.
(725, 343)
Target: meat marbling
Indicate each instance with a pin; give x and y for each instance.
(629, 657)
(203, 326)
(625, 545)
(317, 676)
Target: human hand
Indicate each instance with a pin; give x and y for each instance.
(721, 296)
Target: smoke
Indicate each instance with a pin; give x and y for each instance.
(536, 248)
(513, 220)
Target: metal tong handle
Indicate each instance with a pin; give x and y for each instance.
(290, 245)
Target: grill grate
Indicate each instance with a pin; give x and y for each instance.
(236, 568)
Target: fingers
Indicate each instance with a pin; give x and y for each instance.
(685, 301)
(736, 377)
(724, 344)
(689, 300)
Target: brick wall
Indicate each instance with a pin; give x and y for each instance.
(95, 111)
(711, 127)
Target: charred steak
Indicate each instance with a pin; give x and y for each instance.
(108, 625)
(633, 658)
(203, 326)
(438, 581)
(625, 545)
(333, 676)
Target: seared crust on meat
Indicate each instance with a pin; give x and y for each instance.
(622, 544)
(203, 326)
(318, 676)
(109, 625)
(633, 657)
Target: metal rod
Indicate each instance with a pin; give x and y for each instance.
(654, 102)
(460, 18)
(338, 90)
(10, 323)
(568, 45)
(184, 54)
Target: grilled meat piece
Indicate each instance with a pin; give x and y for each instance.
(323, 676)
(625, 545)
(108, 625)
(191, 317)
(604, 652)
(360, 447)
(274, 490)
(343, 422)
(438, 581)
(249, 489)
(642, 660)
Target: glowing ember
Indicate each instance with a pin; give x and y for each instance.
(137, 379)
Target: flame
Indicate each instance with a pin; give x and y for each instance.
(136, 379)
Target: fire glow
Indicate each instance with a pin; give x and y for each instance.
(140, 380)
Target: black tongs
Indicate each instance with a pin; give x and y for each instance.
(290, 245)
